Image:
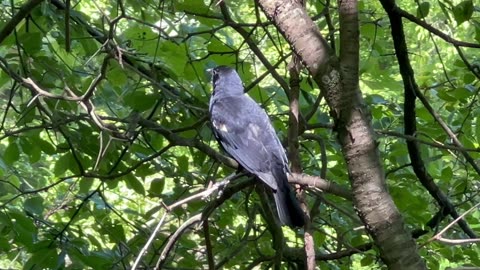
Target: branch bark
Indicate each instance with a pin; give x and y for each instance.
(21, 14)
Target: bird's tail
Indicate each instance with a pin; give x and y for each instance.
(288, 208)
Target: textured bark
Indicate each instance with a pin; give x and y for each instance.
(338, 81)
(294, 156)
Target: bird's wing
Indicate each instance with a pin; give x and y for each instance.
(245, 132)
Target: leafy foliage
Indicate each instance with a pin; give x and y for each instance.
(104, 130)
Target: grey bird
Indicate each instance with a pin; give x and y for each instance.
(244, 131)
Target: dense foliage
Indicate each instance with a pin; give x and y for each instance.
(104, 132)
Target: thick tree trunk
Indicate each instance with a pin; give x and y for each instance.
(338, 81)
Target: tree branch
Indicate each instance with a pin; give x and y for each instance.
(400, 12)
(410, 93)
(17, 18)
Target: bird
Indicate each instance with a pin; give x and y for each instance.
(245, 132)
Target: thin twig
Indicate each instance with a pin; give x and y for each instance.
(175, 237)
(150, 240)
(438, 236)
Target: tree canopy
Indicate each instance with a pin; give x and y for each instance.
(108, 161)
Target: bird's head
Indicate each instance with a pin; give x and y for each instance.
(225, 81)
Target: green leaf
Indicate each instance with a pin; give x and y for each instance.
(423, 10)
(197, 6)
(94, 260)
(139, 100)
(377, 112)
(34, 205)
(45, 146)
(177, 58)
(445, 11)
(468, 78)
(35, 154)
(460, 186)
(156, 186)
(473, 255)
(367, 260)
(85, 185)
(65, 163)
(135, 184)
(216, 45)
(94, 241)
(31, 42)
(447, 173)
(461, 93)
(182, 163)
(30, 148)
(444, 95)
(459, 63)
(144, 170)
(319, 238)
(463, 11)
(357, 240)
(43, 259)
(368, 30)
(116, 75)
(89, 46)
(12, 153)
(24, 228)
(115, 232)
(4, 245)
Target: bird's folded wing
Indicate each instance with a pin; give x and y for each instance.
(245, 136)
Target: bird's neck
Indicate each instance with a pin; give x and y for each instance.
(227, 92)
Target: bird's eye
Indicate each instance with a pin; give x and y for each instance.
(215, 76)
